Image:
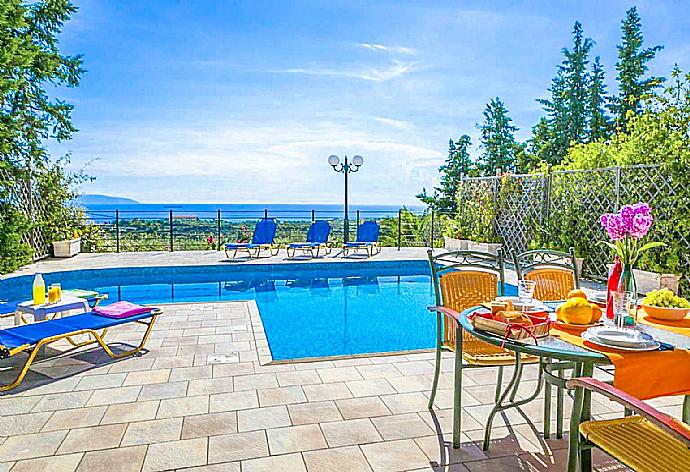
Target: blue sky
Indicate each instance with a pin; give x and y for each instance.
(242, 102)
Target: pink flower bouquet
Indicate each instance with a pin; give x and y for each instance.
(626, 228)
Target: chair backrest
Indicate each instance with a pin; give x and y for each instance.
(318, 232)
(368, 232)
(555, 272)
(463, 279)
(265, 231)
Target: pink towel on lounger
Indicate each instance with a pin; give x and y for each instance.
(120, 310)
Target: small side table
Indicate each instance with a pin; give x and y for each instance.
(40, 312)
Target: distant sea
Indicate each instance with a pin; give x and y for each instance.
(101, 212)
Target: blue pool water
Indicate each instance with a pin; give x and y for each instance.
(308, 310)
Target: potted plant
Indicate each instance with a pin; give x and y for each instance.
(454, 238)
(67, 247)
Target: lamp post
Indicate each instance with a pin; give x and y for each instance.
(346, 168)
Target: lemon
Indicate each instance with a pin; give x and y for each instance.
(575, 310)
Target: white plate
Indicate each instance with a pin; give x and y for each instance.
(621, 337)
(599, 296)
(647, 346)
(528, 307)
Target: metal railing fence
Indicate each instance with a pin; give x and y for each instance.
(176, 230)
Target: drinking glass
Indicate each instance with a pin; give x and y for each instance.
(52, 294)
(622, 303)
(58, 291)
(526, 290)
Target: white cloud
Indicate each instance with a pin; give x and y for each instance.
(400, 124)
(248, 162)
(394, 70)
(381, 47)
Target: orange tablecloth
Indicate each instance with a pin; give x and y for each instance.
(679, 327)
(644, 375)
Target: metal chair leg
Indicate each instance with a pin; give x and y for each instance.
(457, 394)
(547, 402)
(559, 408)
(437, 370)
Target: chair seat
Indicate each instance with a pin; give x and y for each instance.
(639, 444)
(476, 352)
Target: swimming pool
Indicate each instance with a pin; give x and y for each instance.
(308, 310)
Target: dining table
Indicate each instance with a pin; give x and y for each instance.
(663, 372)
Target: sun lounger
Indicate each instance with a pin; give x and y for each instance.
(30, 338)
(317, 238)
(367, 239)
(264, 234)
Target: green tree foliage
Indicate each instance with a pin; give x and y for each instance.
(31, 62)
(599, 125)
(632, 69)
(499, 147)
(458, 164)
(568, 109)
(657, 135)
(31, 66)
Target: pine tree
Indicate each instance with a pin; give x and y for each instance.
(599, 126)
(462, 156)
(497, 139)
(457, 164)
(632, 68)
(577, 80)
(568, 108)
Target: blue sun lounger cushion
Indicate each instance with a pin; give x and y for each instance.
(367, 239)
(31, 337)
(317, 238)
(264, 234)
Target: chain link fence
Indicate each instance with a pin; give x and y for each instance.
(560, 209)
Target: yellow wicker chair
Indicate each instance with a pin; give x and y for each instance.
(650, 441)
(464, 279)
(555, 274)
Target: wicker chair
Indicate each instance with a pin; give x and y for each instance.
(464, 279)
(649, 441)
(556, 274)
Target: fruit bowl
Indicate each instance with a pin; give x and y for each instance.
(662, 313)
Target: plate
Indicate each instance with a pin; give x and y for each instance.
(650, 345)
(599, 296)
(576, 327)
(535, 306)
(621, 337)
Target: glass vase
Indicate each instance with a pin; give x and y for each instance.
(627, 283)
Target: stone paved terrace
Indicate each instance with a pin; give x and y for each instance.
(198, 400)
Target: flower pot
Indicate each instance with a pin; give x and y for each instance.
(579, 262)
(68, 248)
(648, 281)
(454, 244)
(491, 248)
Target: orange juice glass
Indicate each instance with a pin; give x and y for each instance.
(52, 294)
(58, 290)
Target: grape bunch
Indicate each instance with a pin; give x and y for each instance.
(665, 298)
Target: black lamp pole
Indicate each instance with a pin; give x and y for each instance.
(346, 168)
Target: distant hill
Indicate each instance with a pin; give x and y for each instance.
(95, 199)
